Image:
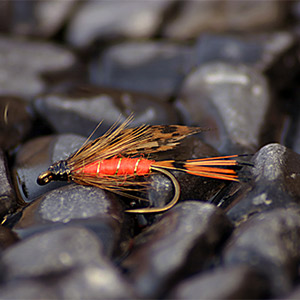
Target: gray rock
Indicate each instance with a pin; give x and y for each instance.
(234, 99)
(196, 17)
(81, 114)
(106, 20)
(52, 252)
(156, 68)
(32, 58)
(181, 242)
(269, 242)
(35, 157)
(275, 183)
(237, 282)
(8, 197)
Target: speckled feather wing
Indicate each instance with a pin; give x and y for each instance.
(123, 141)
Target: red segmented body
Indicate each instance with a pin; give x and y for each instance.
(120, 166)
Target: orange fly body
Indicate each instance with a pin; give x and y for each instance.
(113, 161)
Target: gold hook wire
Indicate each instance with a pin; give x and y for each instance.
(166, 207)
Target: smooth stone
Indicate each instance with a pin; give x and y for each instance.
(27, 289)
(16, 121)
(69, 262)
(95, 281)
(33, 58)
(275, 183)
(237, 282)
(280, 61)
(81, 113)
(156, 68)
(5, 17)
(291, 132)
(111, 20)
(182, 242)
(269, 242)
(91, 207)
(35, 157)
(40, 18)
(295, 294)
(196, 17)
(7, 238)
(52, 252)
(261, 51)
(232, 99)
(8, 203)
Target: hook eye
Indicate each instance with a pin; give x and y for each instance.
(45, 178)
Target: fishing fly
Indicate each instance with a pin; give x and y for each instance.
(113, 161)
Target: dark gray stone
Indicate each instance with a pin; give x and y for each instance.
(295, 294)
(182, 242)
(237, 282)
(8, 199)
(95, 281)
(156, 68)
(107, 20)
(196, 17)
(32, 58)
(275, 183)
(80, 114)
(233, 99)
(274, 54)
(15, 122)
(35, 157)
(27, 289)
(68, 261)
(91, 207)
(52, 252)
(7, 238)
(269, 242)
(39, 18)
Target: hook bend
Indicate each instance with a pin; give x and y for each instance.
(166, 207)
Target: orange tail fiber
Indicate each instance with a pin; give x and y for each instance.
(222, 167)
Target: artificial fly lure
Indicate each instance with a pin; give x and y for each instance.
(113, 161)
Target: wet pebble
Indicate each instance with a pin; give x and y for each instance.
(8, 197)
(233, 99)
(35, 157)
(149, 67)
(32, 58)
(183, 242)
(82, 112)
(269, 242)
(100, 211)
(16, 121)
(7, 238)
(39, 18)
(237, 282)
(274, 54)
(196, 17)
(275, 183)
(95, 281)
(27, 289)
(111, 20)
(72, 258)
(49, 252)
(295, 294)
